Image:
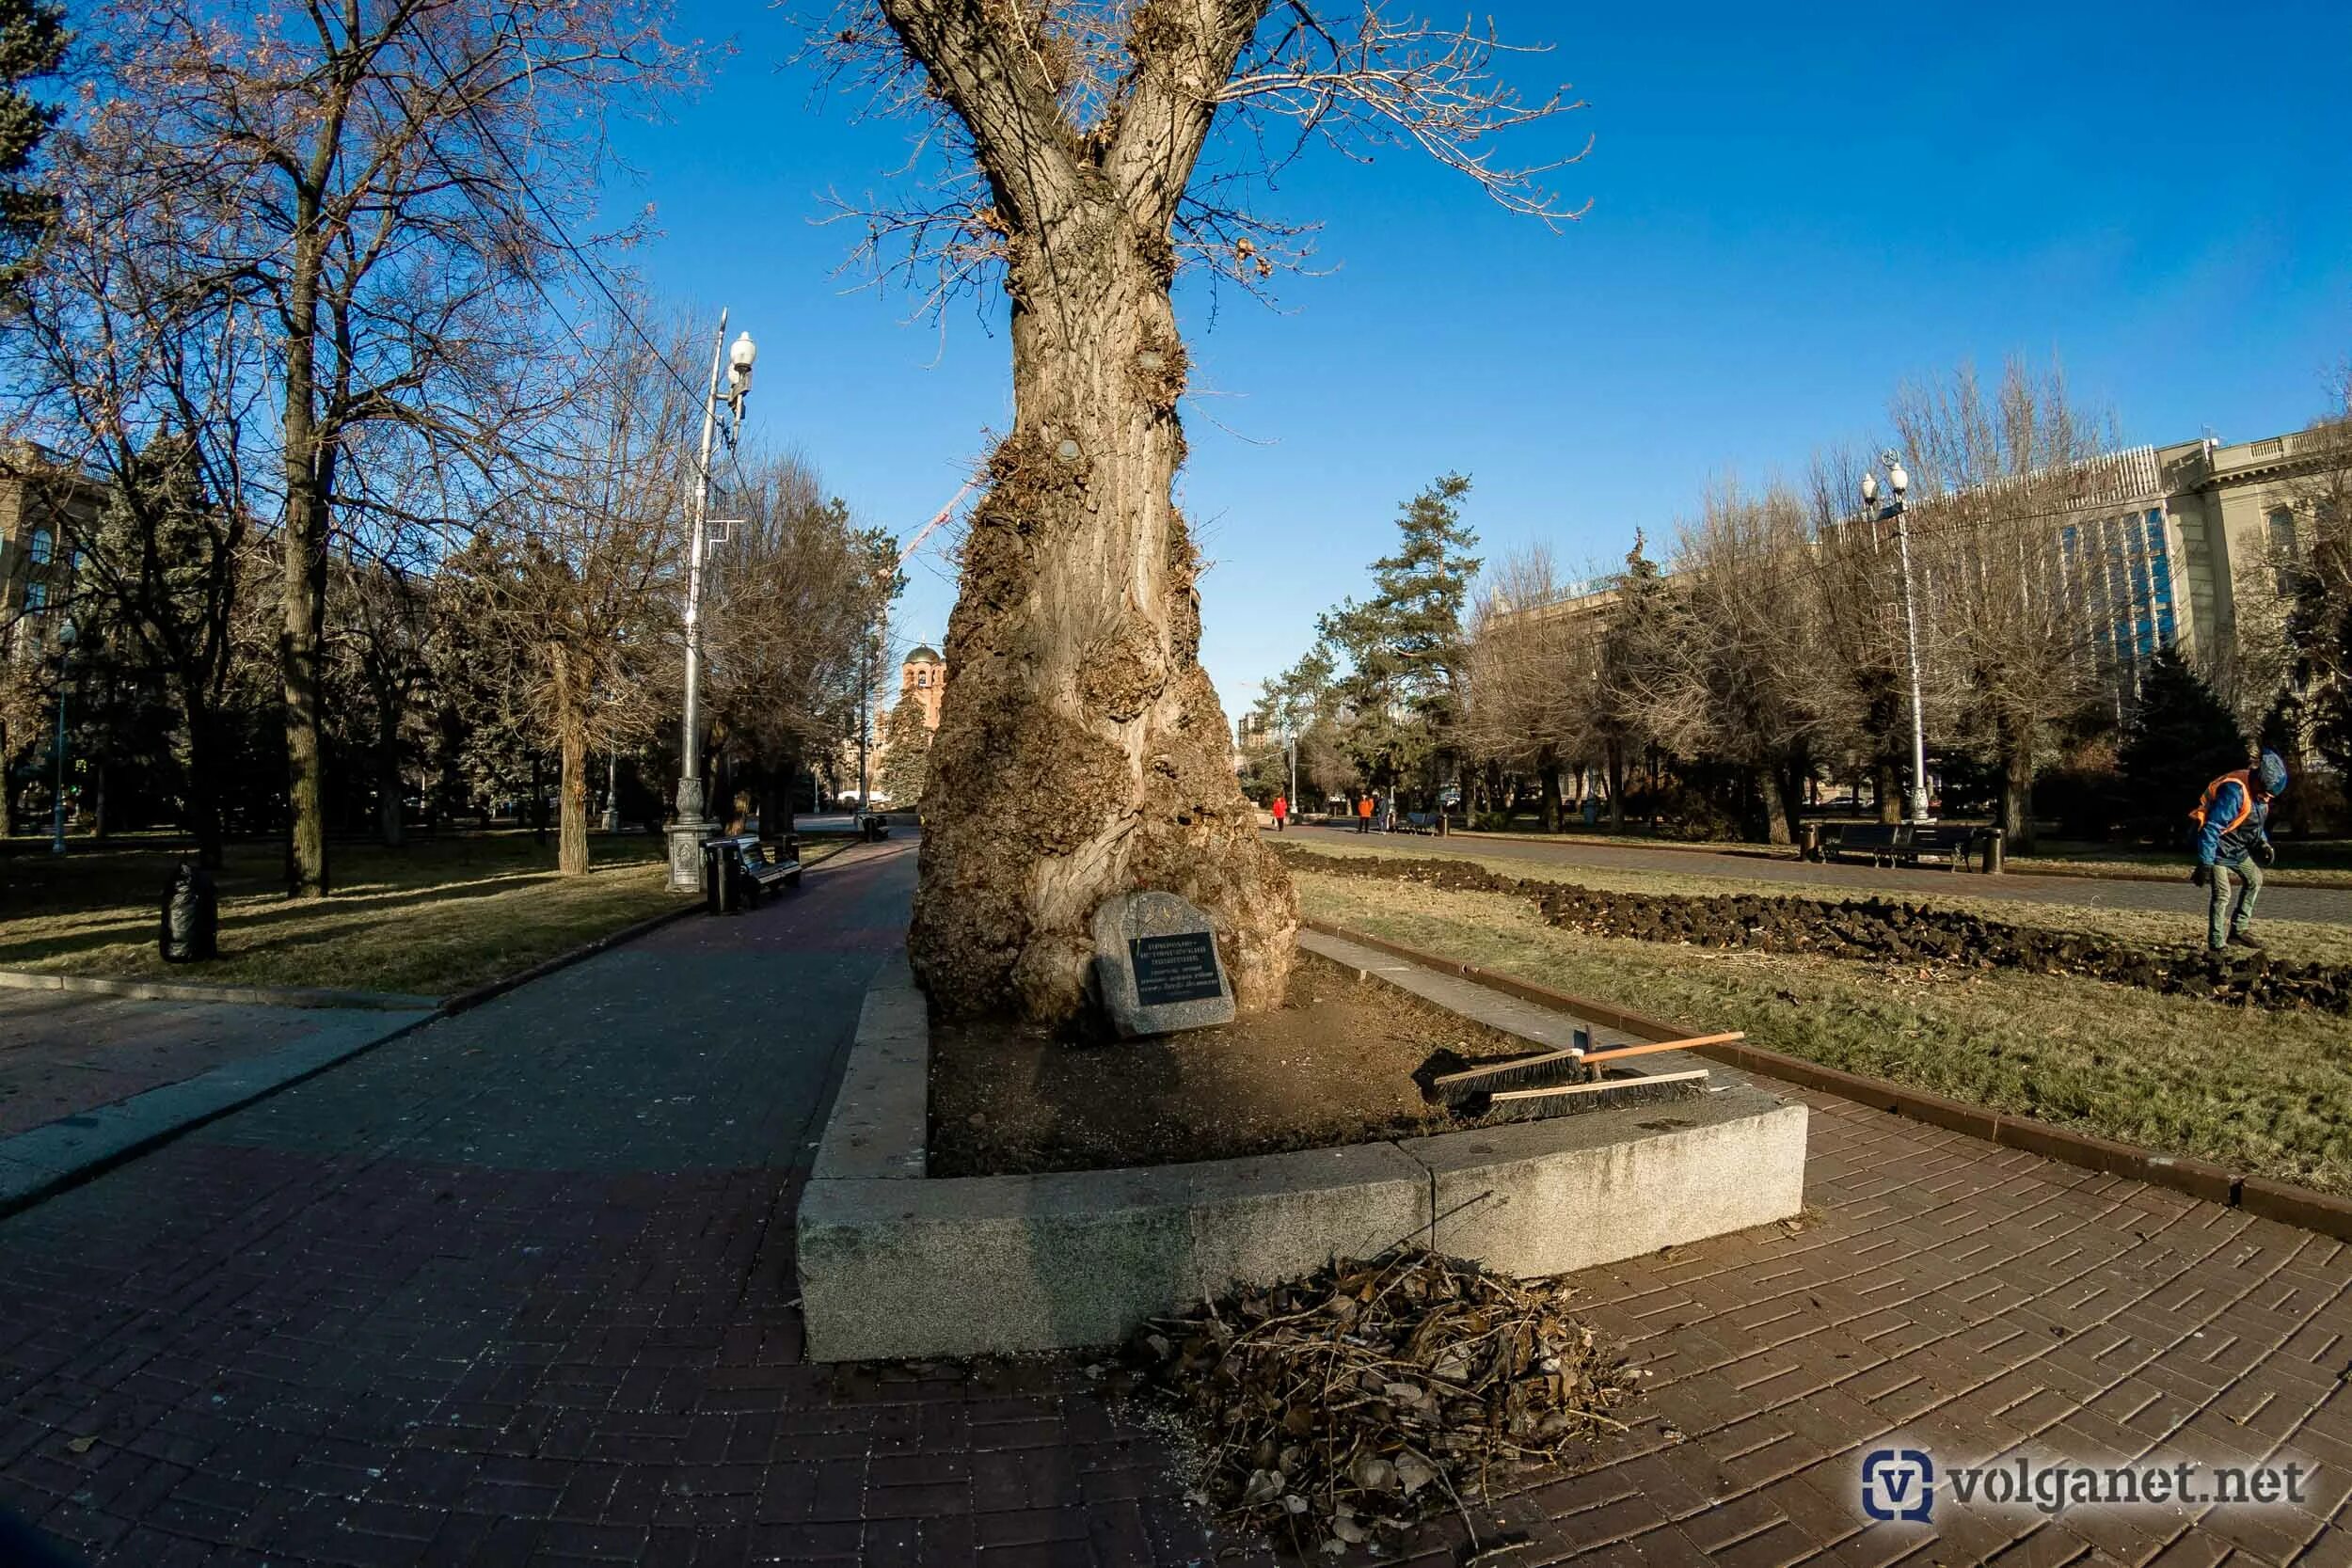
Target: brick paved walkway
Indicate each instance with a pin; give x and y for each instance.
(2329, 906)
(62, 1053)
(518, 1290)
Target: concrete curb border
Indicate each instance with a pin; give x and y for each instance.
(253, 996)
(896, 1264)
(2325, 1213)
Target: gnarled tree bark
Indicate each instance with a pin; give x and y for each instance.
(1081, 750)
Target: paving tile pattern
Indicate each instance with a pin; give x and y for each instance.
(62, 1053)
(518, 1289)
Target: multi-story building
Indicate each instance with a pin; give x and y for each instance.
(2187, 545)
(41, 502)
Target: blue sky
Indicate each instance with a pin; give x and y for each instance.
(1793, 208)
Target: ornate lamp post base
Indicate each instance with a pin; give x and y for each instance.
(686, 838)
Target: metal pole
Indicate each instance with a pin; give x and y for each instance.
(686, 862)
(57, 810)
(1918, 802)
(865, 689)
(1294, 794)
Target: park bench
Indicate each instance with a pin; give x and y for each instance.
(1947, 840)
(1420, 822)
(781, 870)
(1885, 843)
(738, 869)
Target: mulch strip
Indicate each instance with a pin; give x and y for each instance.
(1875, 929)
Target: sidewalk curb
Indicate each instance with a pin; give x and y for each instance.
(2260, 1196)
(44, 1161)
(172, 990)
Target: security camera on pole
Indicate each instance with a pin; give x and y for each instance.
(1898, 484)
(688, 832)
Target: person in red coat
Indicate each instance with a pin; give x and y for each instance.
(1281, 810)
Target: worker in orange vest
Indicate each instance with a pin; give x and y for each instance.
(2234, 841)
(1364, 813)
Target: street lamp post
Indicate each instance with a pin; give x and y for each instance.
(1897, 485)
(688, 830)
(57, 807)
(864, 721)
(65, 667)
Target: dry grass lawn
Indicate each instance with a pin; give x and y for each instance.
(433, 918)
(2265, 1093)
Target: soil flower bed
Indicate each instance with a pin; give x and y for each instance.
(1872, 928)
(1333, 1064)
(1337, 1409)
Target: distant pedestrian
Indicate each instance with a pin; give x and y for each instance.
(2234, 840)
(1364, 813)
(1281, 810)
(1388, 814)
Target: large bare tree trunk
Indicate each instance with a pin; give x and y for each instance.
(303, 549)
(571, 855)
(1081, 751)
(2017, 825)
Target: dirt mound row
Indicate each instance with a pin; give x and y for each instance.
(1882, 929)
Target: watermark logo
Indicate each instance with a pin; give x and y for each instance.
(1898, 1483)
(1901, 1484)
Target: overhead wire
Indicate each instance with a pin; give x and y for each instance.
(588, 265)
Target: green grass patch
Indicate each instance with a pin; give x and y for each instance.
(2261, 1092)
(432, 918)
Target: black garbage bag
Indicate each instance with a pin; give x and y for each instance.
(190, 928)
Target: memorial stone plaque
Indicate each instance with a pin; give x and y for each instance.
(1156, 965)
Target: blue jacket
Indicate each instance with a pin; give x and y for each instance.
(2234, 821)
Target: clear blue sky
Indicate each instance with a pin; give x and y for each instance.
(1793, 208)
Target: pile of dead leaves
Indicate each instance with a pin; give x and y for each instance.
(1341, 1408)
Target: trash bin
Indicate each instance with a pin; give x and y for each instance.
(722, 876)
(190, 924)
(875, 826)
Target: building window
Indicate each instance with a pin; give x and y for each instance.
(38, 547)
(2284, 557)
(36, 596)
(922, 677)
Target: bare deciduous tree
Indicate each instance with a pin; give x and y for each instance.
(576, 573)
(1082, 750)
(365, 173)
(2015, 606)
(1746, 657)
(789, 597)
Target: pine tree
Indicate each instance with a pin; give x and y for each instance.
(32, 45)
(2182, 737)
(1405, 646)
